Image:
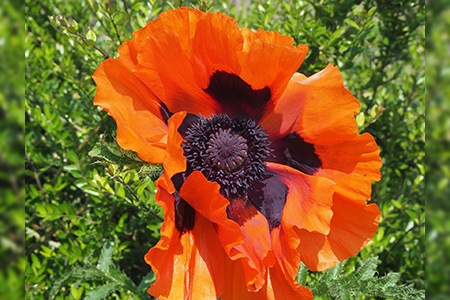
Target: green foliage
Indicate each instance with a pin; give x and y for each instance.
(361, 283)
(111, 153)
(90, 209)
(12, 123)
(106, 273)
(438, 145)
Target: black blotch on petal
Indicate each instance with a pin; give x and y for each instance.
(293, 151)
(268, 195)
(237, 97)
(165, 112)
(184, 215)
(178, 180)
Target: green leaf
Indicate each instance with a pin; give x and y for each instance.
(90, 35)
(72, 156)
(335, 283)
(146, 281)
(152, 171)
(352, 23)
(368, 269)
(302, 274)
(360, 119)
(88, 274)
(76, 292)
(103, 154)
(57, 284)
(105, 260)
(101, 292)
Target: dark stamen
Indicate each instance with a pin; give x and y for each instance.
(231, 152)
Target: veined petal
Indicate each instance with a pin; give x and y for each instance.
(128, 55)
(319, 108)
(216, 44)
(167, 69)
(283, 275)
(358, 166)
(243, 231)
(281, 120)
(182, 21)
(309, 199)
(257, 244)
(166, 63)
(276, 286)
(280, 60)
(328, 108)
(179, 53)
(189, 265)
(287, 196)
(352, 227)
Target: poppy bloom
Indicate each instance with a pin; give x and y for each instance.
(263, 166)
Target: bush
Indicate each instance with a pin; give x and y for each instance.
(90, 214)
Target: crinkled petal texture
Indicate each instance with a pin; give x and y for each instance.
(319, 113)
(187, 60)
(310, 203)
(190, 265)
(229, 252)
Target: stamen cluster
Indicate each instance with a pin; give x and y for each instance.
(231, 152)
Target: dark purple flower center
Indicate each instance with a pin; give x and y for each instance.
(227, 150)
(231, 152)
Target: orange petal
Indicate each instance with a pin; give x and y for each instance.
(166, 68)
(189, 265)
(179, 52)
(282, 119)
(352, 227)
(133, 106)
(283, 275)
(248, 241)
(182, 21)
(236, 287)
(174, 161)
(309, 200)
(325, 109)
(257, 244)
(205, 198)
(128, 55)
(358, 166)
(327, 115)
(286, 251)
(280, 288)
(269, 59)
(276, 286)
(172, 61)
(215, 45)
(166, 63)
(261, 59)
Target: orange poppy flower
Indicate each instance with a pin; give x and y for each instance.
(263, 167)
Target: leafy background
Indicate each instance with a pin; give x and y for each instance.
(89, 209)
(12, 123)
(437, 148)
